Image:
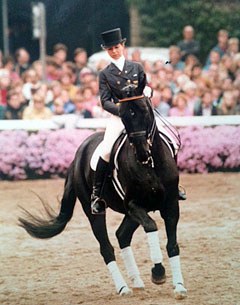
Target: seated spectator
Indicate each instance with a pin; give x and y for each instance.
(53, 70)
(1, 58)
(22, 58)
(80, 108)
(69, 106)
(188, 45)
(165, 101)
(214, 59)
(180, 108)
(31, 81)
(60, 51)
(37, 110)
(57, 106)
(190, 90)
(233, 46)
(66, 81)
(86, 76)
(38, 68)
(5, 82)
(212, 75)
(8, 64)
(221, 46)
(191, 60)
(205, 106)
(216, 92)
(14, 108)
(228, 104)
(226, 67)
(81, 61)
(55, 91)
(175, 58)
(136, 56)
(89, 99)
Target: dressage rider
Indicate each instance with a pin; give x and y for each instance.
(119, 73)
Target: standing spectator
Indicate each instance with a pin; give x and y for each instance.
(22, 57)
(222, 45)
(175, 58)
(60, 51)
(188, 45)
(14, 108)
(205, 106)
(181, 108)
(37, 110)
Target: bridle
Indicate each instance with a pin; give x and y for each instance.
(143, 133)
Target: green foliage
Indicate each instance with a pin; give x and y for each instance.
(162, 21)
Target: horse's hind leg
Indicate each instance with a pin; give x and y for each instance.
(124, 235)
(98, 224)
(171, 217)
(139, 215)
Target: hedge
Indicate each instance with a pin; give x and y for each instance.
(47, 154)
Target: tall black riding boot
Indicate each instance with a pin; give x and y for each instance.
(181, 191)
(98, 205)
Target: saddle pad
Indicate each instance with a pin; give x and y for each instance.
(116, 182)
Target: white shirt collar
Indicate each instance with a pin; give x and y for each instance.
(119, 63)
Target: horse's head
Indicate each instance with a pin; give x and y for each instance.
(137, 116)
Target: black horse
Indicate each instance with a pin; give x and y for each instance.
(149, 178)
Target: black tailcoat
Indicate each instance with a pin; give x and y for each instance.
(112, 80)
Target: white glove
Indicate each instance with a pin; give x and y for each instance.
(148, 91)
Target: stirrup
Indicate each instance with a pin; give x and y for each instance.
(98, 206)
(181, 193)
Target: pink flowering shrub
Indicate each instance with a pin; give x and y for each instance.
(38, 155)
(208, 149)
(49, 153)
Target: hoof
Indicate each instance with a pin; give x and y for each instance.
(158, 280)
(125, 291)
(180, 292)
(137, 284)
(158, 274)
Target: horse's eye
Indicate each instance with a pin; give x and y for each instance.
(132, 112)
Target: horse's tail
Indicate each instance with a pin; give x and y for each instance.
(55, 224)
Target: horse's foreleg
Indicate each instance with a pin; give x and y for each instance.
(140, 215)
(98, 224)
(124, 235)
(171, 220)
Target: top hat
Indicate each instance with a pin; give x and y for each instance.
(112, 38)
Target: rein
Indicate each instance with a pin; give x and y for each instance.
(132, 98)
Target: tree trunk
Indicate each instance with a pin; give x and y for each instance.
(135, 27)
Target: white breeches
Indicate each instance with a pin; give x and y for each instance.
(113, 130)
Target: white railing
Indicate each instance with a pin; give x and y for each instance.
(70, 121)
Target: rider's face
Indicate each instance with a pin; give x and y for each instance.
(115, 51)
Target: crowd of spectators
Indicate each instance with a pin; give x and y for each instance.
(183, 86)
